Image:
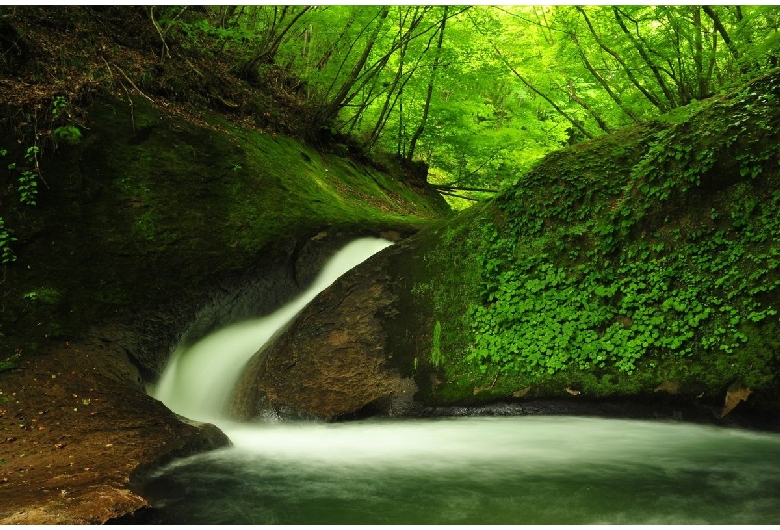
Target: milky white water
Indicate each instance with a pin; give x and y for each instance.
(199, 379)
(520, 470)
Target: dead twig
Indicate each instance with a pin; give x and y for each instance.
(133, 84)
(132, 107)
(165, 51)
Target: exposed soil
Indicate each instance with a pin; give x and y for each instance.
(73, 431)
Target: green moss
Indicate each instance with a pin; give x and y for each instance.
(642, 257)
(149, 205)
(249, 189)
(436, 356)
(9, 363)
(69, 134)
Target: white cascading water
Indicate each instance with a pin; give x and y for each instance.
(199, 379)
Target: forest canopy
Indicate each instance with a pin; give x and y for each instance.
(478, 93)
(481, 92)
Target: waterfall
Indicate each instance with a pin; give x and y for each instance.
(199, 379)
(480, 470)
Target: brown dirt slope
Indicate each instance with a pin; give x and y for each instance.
(74, 428)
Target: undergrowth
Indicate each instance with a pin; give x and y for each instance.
(644, 256)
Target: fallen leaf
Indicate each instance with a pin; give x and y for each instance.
(733, 397)
(522, 392)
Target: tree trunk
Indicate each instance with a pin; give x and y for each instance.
(602, 81)
(577, 125)
(424, 120)
(722, 30)
(646, 58)
(698, 55)
(386, 107)
(269, 49)
(572, 93)
(329, 52)
(652, 98)
(331, 110)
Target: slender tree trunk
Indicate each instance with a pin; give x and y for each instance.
(345, 59)
(374, 136)
(396, 100)
(652, 98)
(572, 93)
(646, 58)
(400, 144)
(270, 47)
(683, 92)
(602, 81)
(424, 120)
(332, 109)
(371, 71)
(713, 57)
(464, 188)
(722, 30)
(698, 54)
(577, 125)
(365, 74)
(225, 15)
(329, 52)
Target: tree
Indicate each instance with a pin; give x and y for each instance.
(481, 92)
(276, 27)
(427, 106)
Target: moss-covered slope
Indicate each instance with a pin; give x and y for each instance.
(645, 260)
(148, 206)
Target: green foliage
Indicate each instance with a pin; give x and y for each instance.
(28, 188)
(6, 239)
(59, 105)
(45, 295)
(26, 183)
(569, 284)
(507, 85)
(69, 134)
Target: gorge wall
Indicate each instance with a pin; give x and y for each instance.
(642, 264)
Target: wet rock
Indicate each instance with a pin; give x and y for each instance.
(335, 359)
(88, 437)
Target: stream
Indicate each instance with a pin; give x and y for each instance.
(479, 470)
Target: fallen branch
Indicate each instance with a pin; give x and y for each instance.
(132, 107)
(458, 196)
(165, 51)
(463, 188)
(133, 84)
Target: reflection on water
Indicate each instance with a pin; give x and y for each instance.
(524, 470)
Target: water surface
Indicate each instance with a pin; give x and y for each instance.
(523, 470)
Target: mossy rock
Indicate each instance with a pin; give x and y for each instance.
(150, 206)
(623, 267)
